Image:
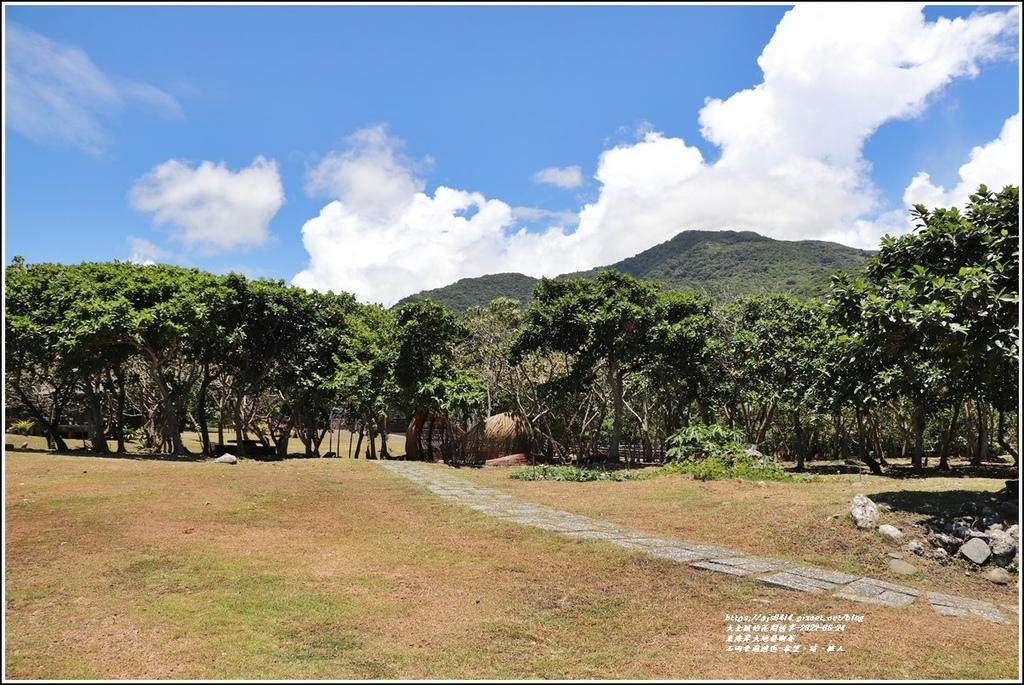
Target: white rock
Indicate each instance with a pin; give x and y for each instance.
(892, 531)
(863, 511)
(227, 459)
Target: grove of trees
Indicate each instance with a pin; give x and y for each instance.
(916, 356)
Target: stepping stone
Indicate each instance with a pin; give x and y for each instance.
(878, 592)
(947, 605)
(746, 564)
(676, 553)
(808, 579)
(608, 535)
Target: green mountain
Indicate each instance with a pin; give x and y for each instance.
(724, 264)
(470, 292)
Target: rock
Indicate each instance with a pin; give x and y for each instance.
(976, 550)
(226, 459)
(894, 555)
(901, 567)
(969, 508)
(1003, 546)
(940, 555)
(915, 547)
(892, 531)
(884, 506)
(751, 452)
(943, 541)
(863, 511)
(1009, 511)
(999, 576)
(960, 531)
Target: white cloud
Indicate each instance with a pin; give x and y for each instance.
(996, 164)
(143, 251)
(570, 177)
(53, 93)
(211, 207)
(791, 167)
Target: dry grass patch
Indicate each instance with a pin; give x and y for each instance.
(806, 522)
(337, 569)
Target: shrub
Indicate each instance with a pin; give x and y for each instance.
(703, 441)
(21, 427)
(572, 473)
(721, 468)
(713, 452)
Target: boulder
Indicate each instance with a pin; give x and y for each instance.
(1003, 546)
(999, 576)
(976, 550)
(226, 459)
(863, 511)
(940, 555)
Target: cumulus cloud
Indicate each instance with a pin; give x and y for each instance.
(54, 93)
(996, 164)
(211, 207)
(791, 164)
(569, 178)
(144, 251)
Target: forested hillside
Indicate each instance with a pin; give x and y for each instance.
(473, 292)
(722, 264)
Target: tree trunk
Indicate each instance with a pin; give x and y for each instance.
(917, 420)
(1001, 437)
(947, 438)
(237, 420)
(99, 441)
(116, 380)
(384, 452)
(359, 442)
(170, 410)
(50, 427)
(204, 430)
(862, 452)
(615, 380)
(983, 434)
(798, 430)
(286, 434)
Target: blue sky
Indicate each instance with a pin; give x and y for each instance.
(386, 149)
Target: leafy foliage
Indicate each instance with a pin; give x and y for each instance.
(704, 441)
(722, 468)
(573, 474)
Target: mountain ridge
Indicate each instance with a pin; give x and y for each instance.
(723, 264)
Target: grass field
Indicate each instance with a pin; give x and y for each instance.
(137, 567)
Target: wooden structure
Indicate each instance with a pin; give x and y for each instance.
(431, 437)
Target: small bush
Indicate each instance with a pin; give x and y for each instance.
(722, 468)
(21, 427)
(572, 474)
(703, 441)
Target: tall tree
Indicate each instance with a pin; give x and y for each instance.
(600, 324)
(937, 312)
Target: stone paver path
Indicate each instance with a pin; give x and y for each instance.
(773, 572)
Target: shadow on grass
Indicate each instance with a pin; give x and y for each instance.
(944, 504)
(1000, 470)
(146, 456)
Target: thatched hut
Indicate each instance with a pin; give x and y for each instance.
(431, 437)
(497, 436)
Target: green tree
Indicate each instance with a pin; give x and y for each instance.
(603, 324)
(936, 314)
